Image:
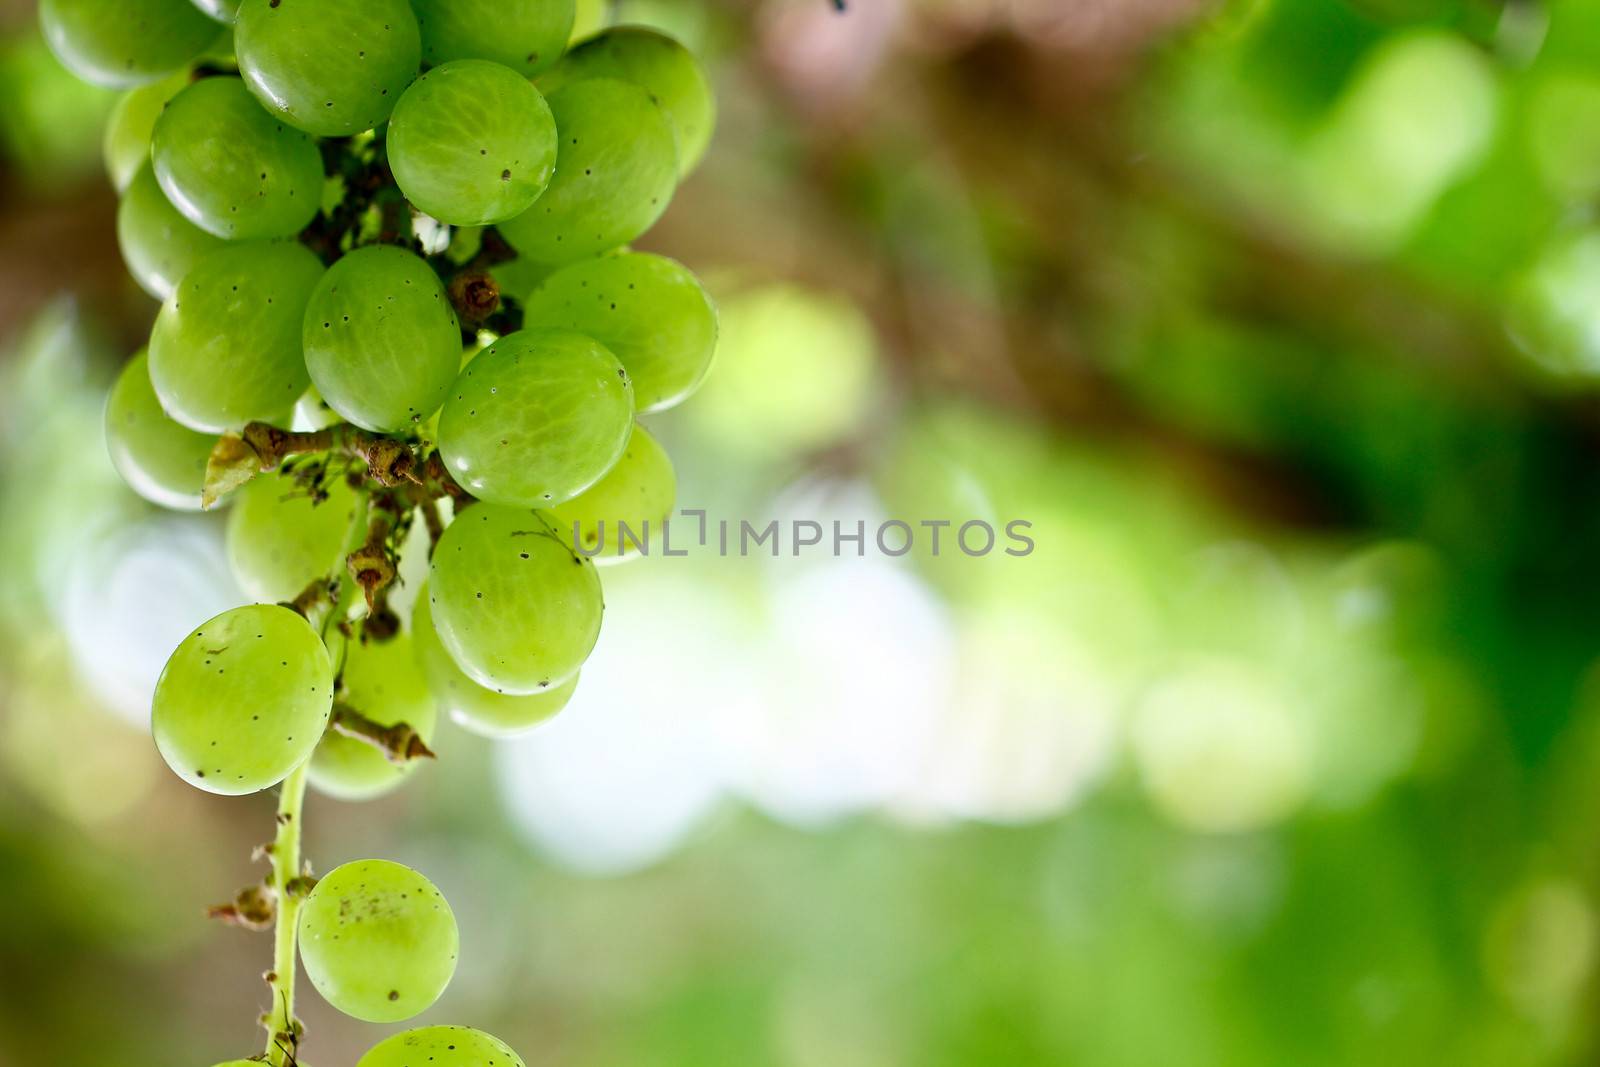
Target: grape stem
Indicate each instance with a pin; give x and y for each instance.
(252, 908)
(400, 744)
(475, 296)
(371, 565)
(389, 462)
(434, 522)
(313, 600)
(392, 463)
(288, 882)
(283, 1031)
(343, 591)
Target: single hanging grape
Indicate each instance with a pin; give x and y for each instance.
(381, 680)
(441, 1046)
(516, 607)
(160, 460)
(661, 67)
(471, 706)
(226, 346)
(124, 43)
(279, 540)
(616, 169)
(328, 67)
(381, 341)
(378, 940)
(244, 700)
(472, 143)
(158, 244)
(637, 493)
(536, 418)
(648, 310)
(526, 36)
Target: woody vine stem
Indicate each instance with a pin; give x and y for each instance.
(394, 482)
(283, 1031)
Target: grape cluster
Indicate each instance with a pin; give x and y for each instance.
(330, 198)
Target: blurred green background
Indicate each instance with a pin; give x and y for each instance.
(1278, 319)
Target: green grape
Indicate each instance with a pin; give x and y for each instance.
(329, 67)
(615, 173)
(518, 610)
(241, 1063)
(233, 169)
(123, 43)
(661, 67)
(471, 706)
(311, 412)
(158, 244)
(382, 682)
(160, 460)
(381, 341)
(526, 36)
(638, 492)
(648, 310)
(378, 940)
(589, 18)
(520, 276)
(441, 1046)
(536, 418)
(244, 700)
(221, 10)
(131, 124)
(226, 346)
(472, 143)
(279, 540)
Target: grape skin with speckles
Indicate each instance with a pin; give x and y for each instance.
(160, 460)
(471, 706)
(472, 143)
(616, 169)
(121, 44)
(517, 609)
(378, 940)
(536, 418)
(381, 341)
(226, 346)
(159, 246)
(231, 168)
(526, 36)
(381, 680)
(329, 67)
(650, 312)
(279, 540)
(637, 493)
(441, 1046)
(657, 64)
(243, 700)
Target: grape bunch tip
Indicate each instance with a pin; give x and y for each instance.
(326, 197)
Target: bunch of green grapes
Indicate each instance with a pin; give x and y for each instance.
(322, 195)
